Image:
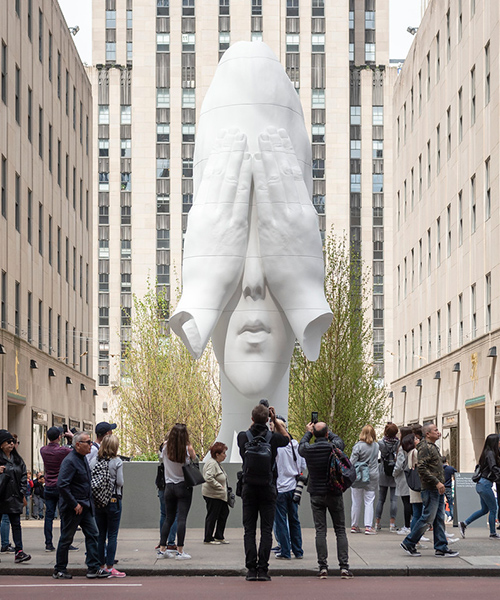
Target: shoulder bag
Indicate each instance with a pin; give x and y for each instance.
(192, 474)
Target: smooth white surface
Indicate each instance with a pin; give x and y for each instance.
(253, 271)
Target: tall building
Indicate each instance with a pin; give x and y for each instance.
(446, 254)
(46, 285)
(153, 63)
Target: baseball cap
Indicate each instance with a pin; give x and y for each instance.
(103, 427)
(54, 432)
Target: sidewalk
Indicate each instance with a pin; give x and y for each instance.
(369, 555)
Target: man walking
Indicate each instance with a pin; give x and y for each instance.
(317, 457)
(289, 465)
(258, 447)
(52, 455)
(430, 469)
(76, 509)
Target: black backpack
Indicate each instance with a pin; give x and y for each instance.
(258, 461)
(389, 460)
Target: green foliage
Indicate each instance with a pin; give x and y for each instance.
(341, 385)
(162, 385)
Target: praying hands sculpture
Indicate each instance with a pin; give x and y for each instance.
(253, 270)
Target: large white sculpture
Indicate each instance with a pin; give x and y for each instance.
(253, 267)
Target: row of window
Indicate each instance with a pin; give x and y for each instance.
(188, 8)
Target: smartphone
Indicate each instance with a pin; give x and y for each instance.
(314, 417)
(65, 428)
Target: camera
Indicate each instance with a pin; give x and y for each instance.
(314, 417)
(299, 488)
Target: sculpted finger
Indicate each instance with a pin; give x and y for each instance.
(242, 197)
(261, 188)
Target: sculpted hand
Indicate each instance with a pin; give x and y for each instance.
(290, 243)
(216, 241)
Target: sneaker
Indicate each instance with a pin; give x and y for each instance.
(424, 539)
(462, 526)
(97, 574)
(222, 541)
(22, 557)
(7, 548)
(323, 573)
(346, 574)
(370, 531)
(182, 556)
(251, 575)
(276, 549)
(165, 554)
(49, 548)
(409, 550)
(495, 536)
(403, 531)
(62, 575)
(449, 553)
(263, 576)
(392, 528)
(213, 542)
(279, 555)
(114, 573)
(377, 527)
(73, 548)
(299, 556)
(355, 529)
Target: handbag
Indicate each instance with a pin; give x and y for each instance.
(160, 477)
(413, 479)
(231, 497)
(192, 475)
(476, 476)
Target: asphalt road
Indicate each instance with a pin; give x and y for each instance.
(280, 588)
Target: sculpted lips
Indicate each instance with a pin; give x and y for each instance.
(254, 327)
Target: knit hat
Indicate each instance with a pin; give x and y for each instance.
(5, 436)
(54, 432)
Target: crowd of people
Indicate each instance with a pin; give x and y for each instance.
(83, 481)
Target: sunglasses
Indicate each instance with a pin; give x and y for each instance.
(89, 442)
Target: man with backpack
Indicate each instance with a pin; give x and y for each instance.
(258, 449)
(101, 429)
(323, 498)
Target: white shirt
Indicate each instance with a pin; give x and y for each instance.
(173, 470)
(288, 468)
(94, 449)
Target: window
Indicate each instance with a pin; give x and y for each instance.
(129, 19)
(103, 145)
(318, 134)
(110, 51)
(473, 95)
(428, 163)
(162, 8)
(126, 215)
(460, 20)
(355, 182)
(50, 56)
(448, 133)
(162, 168)
(429, 253)
(103, 316)
(351, 51)
(104, 215)
(187, 202)
(103, 118)
(448, 230)
(460, 116)
(50, 147)
(187, 8)
(429, 339)
(3, 312)
(292, 42)
(438, 332)
(292, 8)
(162, 239)
(438, 241)
(17, 203)
(370, 52)
(318, 168)
(319, 203)
(223, 7)
(487, 189)
(40, 325)
(460, 220)
(126, 248)
(104, 182)
(378, 148)
(126, 182)
(473, 215)
(40, 229)
(163, 274)
(125, 114)
(111, 19)
(460, 320)
(163, 132)
(224, 40)
(30, 215)
(448, 36)
(420, 177)
(30, 318)
(163, 97)
(17, 99)
(74, 108)
(428, 75)
(188, 98)
(129, 51)
(40, 35)
(58, 74)
(162, 42)
(30, 106)
(318, 99)
(188, 42)
(126, 148)
(126, 283)
(438, 149)
(487, 87)
(378, 183)
(355, 148)
(438, 58)
(318, 42)
(412, 205)
(256, 8)
(256, 36)
(59, 162)
(420, 261)
(40, 131)
(162, 204)
(473, 314)
(378, 115)
(318, 8)
(187, 133)
(4, 187)
(370, 19)
(419, 93)
(67, 92)
(187, 167)
(488, 302)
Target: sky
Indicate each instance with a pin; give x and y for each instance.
(403, 13)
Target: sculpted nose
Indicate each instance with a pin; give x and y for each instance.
(253, 278)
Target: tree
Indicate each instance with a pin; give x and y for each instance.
(162, 385)
(341, 385)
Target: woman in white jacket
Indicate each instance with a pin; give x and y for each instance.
(402, 488)
(365, 456)
(214, 491)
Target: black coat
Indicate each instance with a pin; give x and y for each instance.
(11, 500)
(317, 457)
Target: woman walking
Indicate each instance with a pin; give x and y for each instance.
(365, 455)
(489, 466)
(402, 489)
(108, 517)
(176, 452)
(214, 491)
(388, 448)
(13, 480)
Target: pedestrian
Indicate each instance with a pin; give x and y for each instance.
(449, 478)
(28, 494)
(101, 429)
(13, 479)
(176, 452)
(489, 469)
(76, 509)
(364, 457)
(317, 457)
(160, 489)
(402, 489)
(108, 517)
(214, 491)
(5, 521)
(290, 466)
(258, 450)
(388, 449)
(52, 455)
(430, 470)
(38, 496)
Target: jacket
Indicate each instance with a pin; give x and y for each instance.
(317, 456)
(402, 488)
(490, 470)
(11, 501)
(215, 485)
(415, 497)
(74, 482)
(386, 446)
(363, 452)
(430, 465)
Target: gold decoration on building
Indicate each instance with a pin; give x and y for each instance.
(473, 374)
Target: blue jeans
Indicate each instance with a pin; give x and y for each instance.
(432, 514)
(108, 521)
(484, 487)
(51, 500)
(15, 522)
(382, 495)
(5, 530)
(287, 524)
(335, 506)
(163, 516)
(70, 521)
(37, 507)
(417, 508)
